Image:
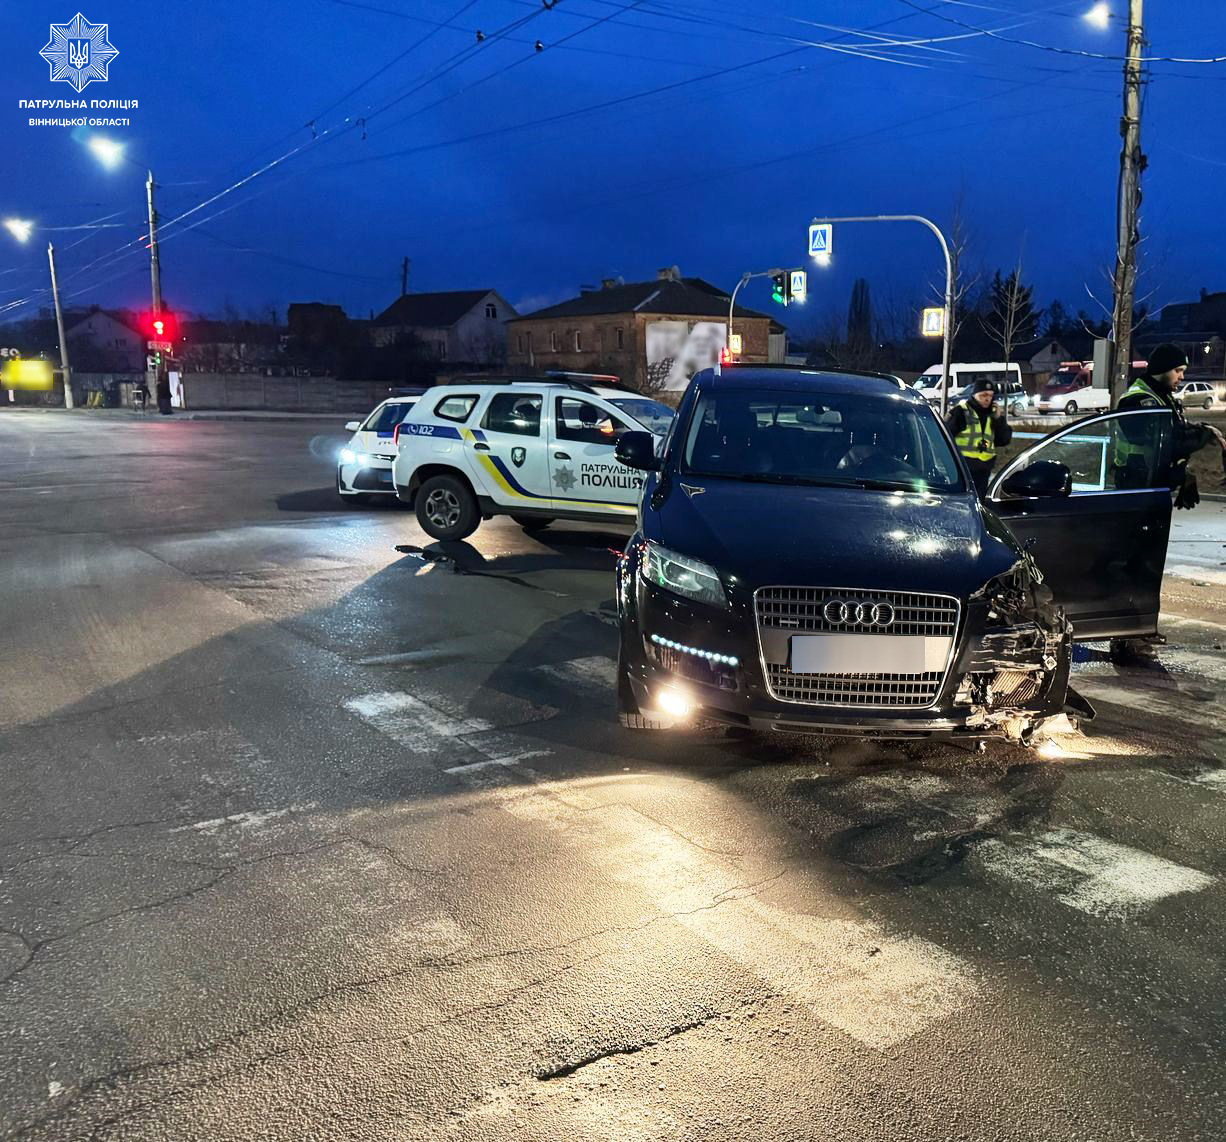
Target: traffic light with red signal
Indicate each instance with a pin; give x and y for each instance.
(162, 326)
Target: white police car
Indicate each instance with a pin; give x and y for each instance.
(535, 449)
(364, 466)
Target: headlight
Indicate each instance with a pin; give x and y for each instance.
(683, 575)
(347, 456)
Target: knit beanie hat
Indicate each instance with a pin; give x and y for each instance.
(1164, 358)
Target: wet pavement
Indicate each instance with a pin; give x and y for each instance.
(306, 837)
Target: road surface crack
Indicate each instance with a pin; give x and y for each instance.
(568, 1069)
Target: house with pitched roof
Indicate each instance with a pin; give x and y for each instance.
(654, 335)
(466, 326)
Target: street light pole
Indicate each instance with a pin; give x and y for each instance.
(65, 368)
(748, 277)
(947, 347)
(1132, 162)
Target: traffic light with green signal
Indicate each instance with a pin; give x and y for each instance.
(779, 288)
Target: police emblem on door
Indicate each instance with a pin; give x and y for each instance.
(518, 456)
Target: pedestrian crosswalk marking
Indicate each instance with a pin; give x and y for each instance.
(1090, 873)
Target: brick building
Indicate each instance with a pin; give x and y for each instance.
(654, 335)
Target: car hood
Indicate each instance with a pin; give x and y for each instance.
(832, 537)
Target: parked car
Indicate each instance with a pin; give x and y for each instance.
(1196, 394)
(811, 556)
(364, 466)
(534, 448)
(1019, 402)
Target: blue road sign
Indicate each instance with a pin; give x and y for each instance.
(798, 285)
(821, 236)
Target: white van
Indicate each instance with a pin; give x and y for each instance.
(1006, 377)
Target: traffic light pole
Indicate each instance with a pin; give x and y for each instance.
(948, 346)
(65, 368)
(732, 300)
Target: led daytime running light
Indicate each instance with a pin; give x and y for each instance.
(709, 655)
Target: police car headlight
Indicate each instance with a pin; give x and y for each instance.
(691, 578)
(348, 456)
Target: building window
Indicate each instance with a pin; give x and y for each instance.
(621, 338)
(578, 342)
(553, 341)
(491, 310)
(519, 340)
(529, 335)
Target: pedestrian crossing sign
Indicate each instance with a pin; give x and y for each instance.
(934, 322)
(821, 236)
(798, 286)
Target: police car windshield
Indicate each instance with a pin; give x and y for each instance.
(653, 415)
(386, 418)
(835, 439)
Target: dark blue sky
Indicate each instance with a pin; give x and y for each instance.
(717, 176)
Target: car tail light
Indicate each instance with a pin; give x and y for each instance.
(396, 437)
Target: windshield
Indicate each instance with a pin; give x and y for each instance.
(1061, 381)
(386, 417)
(650, 413)
(833, 439)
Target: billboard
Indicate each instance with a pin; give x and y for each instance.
(676, 350)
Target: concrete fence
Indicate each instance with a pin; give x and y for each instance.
(204, 391)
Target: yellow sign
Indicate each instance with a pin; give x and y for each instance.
(933, 324)
(734, 343)
(26, 373)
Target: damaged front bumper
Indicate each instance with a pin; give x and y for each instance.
(1013, 673)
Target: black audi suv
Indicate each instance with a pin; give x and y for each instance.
(811, 556)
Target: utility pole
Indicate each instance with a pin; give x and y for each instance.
(1132, 163)
(65, 369)
(155, 274)
(404, 276)
(155, 267)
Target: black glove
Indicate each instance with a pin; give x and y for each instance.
(1189, 494)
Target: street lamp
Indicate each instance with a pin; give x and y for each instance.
(20, 228)
(1099, 16)
(108, 152)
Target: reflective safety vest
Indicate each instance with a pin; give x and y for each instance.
(1123, 449)
(976, 441)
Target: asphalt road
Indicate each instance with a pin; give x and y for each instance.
(305, 838)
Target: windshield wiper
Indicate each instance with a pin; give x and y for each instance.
(788, 478)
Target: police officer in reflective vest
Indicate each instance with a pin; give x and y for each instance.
(1133, 460)
(979, 428)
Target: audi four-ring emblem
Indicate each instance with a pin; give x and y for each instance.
(837, 612)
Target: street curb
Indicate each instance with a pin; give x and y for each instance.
(250, 416)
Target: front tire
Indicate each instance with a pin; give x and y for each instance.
(1208, 403)
(446, 509)
(532, 523)
(628, 712)
(1070, 409)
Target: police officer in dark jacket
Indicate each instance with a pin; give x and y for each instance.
(1133, 459)
(979, 428)
(1156, 389)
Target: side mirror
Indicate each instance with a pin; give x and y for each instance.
(1045, 478)
(352, 425)
(637, 450)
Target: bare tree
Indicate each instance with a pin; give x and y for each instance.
(1012, 320)
(965, 281)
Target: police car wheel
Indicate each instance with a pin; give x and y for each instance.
(532, 522)
(1208, 403)
(446, 509)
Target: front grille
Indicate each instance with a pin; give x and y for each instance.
(800, 609)
(899, 690)
(783, 611)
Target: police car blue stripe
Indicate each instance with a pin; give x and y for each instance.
(441, 430)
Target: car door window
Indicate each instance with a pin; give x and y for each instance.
(456, 407)
(517, 414)
(1123, 451)
(585, 422)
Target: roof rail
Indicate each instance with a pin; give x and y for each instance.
(821, 369)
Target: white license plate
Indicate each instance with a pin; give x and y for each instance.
(868, 654)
